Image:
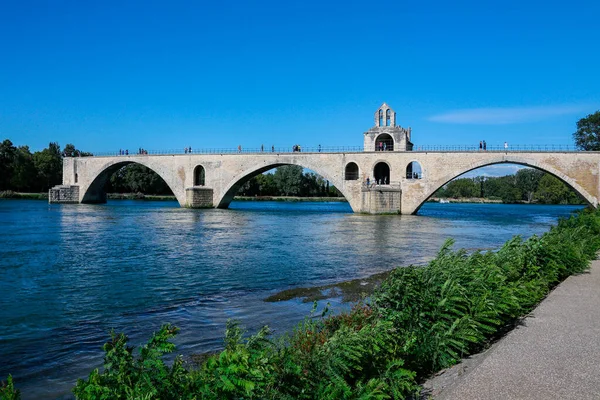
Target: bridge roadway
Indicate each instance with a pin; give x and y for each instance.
(223, 174)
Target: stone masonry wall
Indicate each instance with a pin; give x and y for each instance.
(197, 197)
(381, 200)
(64, 194)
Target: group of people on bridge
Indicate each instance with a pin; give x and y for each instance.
(380, 181)
(483, 146)
(126, 152)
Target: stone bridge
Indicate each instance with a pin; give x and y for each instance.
(399, 179)
(212, 180)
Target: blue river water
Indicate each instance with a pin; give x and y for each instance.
(71, 273)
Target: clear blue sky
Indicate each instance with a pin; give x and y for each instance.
(123, 74)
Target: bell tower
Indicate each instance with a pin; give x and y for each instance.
(386, 135)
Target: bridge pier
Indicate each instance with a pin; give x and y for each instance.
(64, 194)
(381, 199)
(199, 197)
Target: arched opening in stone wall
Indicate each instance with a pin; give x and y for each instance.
(384, 142)
(381, 173)
(126, 180)
(199, 176)
(414, 170)
(380, 117)
(388, 117)
(509, 183)
(351, 172)
(284, 182)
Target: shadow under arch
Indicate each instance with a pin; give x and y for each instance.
(590, 200)
(229, 192)
(95, 193)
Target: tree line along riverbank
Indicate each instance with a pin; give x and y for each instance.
(525, 186)
(420, 320)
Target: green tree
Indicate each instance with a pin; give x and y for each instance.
(7, 159)
(267, 185)
(527, 181)
(136, 178)
(71, 151)
(289, 180)
(552, 190)
(48, 163)
(463, 187)
(24, 177)
(587, 136)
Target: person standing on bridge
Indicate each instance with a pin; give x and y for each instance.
(262, 148)
(319, 148)
(505, 146)
(239, 148)
(484, 146)
(480, 145)
(272, 148)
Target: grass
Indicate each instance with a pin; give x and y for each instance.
(139, 196)
(9, 194)
(289, 198)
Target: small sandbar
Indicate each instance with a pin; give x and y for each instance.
(349, 291)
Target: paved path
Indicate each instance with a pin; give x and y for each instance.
(554, 355)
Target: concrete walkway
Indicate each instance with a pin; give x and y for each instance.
(555, 354)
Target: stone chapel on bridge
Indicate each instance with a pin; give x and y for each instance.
(386, 135)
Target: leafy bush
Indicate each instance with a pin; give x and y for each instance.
(8, 391)
(145, 377)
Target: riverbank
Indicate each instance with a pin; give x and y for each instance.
(9, 194)
(465, 200)
(140, 196)
(289, 198)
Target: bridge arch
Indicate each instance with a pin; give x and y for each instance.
(93, 190)
(438, 183)
(228, 193)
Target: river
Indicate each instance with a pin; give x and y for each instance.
(70, 273)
